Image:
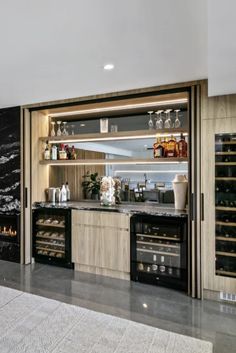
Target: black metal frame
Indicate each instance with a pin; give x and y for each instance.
(63, 262)
(161, 279)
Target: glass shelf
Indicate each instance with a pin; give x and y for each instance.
(225, 204)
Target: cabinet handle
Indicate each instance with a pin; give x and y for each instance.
(202, 207)
(26, 197)
(192, 206)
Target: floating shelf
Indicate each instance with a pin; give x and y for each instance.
(113, 161)
(112, 136)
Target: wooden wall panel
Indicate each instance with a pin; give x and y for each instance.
(74, 174)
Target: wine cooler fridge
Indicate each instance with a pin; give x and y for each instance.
(225, 204)
(159, 250)
(52, 236)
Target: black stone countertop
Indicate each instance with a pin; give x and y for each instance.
(131, 208)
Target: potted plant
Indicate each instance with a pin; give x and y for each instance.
(91, 185)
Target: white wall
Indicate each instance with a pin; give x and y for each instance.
(221, 47)
(55, 49)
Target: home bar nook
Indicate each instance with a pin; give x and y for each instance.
(117, 184)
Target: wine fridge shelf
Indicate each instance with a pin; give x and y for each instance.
(50, 250)
(226, 273)
(223, 208)
(157, 244)
(158, 237)
(48, 237)
(226, 143)
(157, 252)
(226, 178)
(225, 238)
(38, 242)
(231, 153)
(225, 163)
(228, 224)
(50, 225)
(223, 253)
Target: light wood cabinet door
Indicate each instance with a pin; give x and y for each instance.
(101, 239)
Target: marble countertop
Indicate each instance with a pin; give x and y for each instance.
(131, 208)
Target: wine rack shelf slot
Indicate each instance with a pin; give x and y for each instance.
(226, 239)
(228, 224)
(226, 273)
(226, 143)
(38, 242)
(225, 163)
(51, 238)
(50, 225)
(158, 237)
(226, 153)
(223, 253)
(222, 208)
(226, 178)
(49, 249)
(157, 244)
(158, 252)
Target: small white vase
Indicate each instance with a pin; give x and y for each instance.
(180, 186)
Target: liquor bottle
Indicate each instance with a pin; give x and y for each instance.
(54, 152)
(63, 193)
(158, 149)
(62, 152)
(47, 151)
(182, 147)
(67, 191)
(164, 143)
(73, 153)
(68, 153)
(171, 147)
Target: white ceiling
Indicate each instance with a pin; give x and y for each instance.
(56, 49)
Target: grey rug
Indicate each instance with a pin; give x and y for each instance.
(33, 324)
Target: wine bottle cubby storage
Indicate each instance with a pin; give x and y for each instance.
(158, 250)
(225, 204)
(51, 236)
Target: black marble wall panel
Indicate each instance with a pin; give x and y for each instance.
(10, 160)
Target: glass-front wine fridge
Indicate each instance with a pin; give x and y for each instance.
(225, 204)
(52, 236)
(159, 250)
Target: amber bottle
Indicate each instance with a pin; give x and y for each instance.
(182, 147)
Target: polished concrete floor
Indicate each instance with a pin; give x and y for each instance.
(160, 307)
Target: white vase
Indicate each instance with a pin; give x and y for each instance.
(107, 191)
(180, 186)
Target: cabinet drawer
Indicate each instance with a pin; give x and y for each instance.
(101, 219)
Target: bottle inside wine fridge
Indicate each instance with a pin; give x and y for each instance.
(159, 250)
(52, 236)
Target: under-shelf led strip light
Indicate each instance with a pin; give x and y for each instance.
(120, 107)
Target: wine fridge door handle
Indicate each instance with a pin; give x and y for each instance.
(202, 207)
(26, 197)
(192, 207)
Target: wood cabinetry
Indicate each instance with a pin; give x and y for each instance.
(218, 117)
(101, 243)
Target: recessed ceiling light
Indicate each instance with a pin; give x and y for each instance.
(108, 67)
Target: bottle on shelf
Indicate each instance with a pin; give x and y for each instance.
(154, 265)
(54, 153)
(162, 266)
(182, 147)
(62, 152)
(63, 193)
(46, 151)
(67, 191)
(73, 153)
(158, 149)
(164, 143)
(171, 147)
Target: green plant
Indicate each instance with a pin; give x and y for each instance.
(91, 183)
